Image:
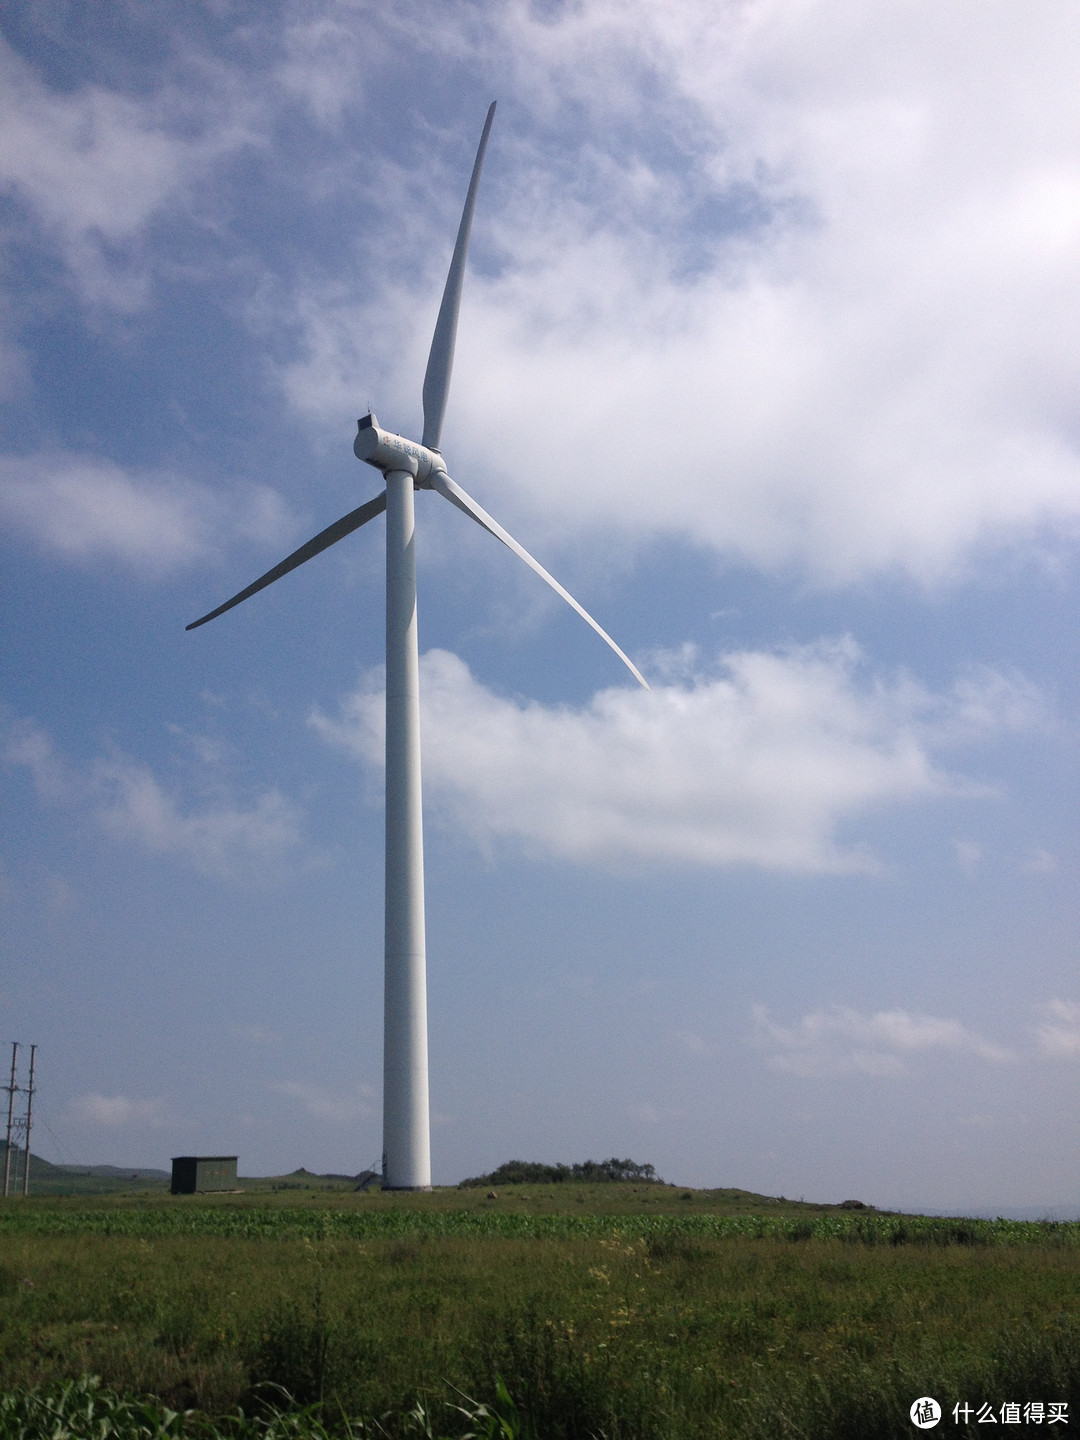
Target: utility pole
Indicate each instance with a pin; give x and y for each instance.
(11, 1089)
(29, 1107)
(17, 1128)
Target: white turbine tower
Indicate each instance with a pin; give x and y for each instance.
(407, 467)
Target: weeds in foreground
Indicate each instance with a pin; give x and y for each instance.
(84, 1410)
(662, 1331)
(853, 1402)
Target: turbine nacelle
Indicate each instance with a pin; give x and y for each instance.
(387, 451)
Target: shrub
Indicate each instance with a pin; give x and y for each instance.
(589, 1172)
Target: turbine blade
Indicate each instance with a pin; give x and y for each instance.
(325, 538)
(453, 492)
(441, 358)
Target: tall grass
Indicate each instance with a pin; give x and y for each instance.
(559, 1327)
(83, 1410)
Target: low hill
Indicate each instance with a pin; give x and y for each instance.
(306, 1180)
(49, 1179)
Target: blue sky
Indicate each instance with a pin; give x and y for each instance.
(768, 351)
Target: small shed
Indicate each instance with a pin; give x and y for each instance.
(197, 1174)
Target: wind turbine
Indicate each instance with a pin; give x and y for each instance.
(407, 467)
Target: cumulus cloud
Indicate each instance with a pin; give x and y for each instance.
(1057, 1034)
(841, 1041)
(117, 1111)
(763, 762)
(1041, 862)
(255, 1034)
(87, 509)
(223, 835)
(692, 1042)
(789, 282)
(25, 745)
(93, 166)
(794, 280)
(650, 1114)
(323, 1104)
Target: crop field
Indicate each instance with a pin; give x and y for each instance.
(554, 1312)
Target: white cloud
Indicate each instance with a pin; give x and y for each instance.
(692, 1042)
(223, 835)
(117, 1111)
(256, 1034)
(792, 282)
(323, 1104)
(14, 361)
(654, 1114)
(88, 509)
(840, 1041)
(1058, 1033)
(764, 763)
(1041, 862)
(62, 896)
(24, 744)
(984, 701)
(95, 166)
(319, 67)
(795, 280)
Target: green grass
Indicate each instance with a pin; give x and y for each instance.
(84, 1410)
(632, 1315)
(208, 1216)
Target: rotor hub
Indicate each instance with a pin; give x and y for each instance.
(387, 451)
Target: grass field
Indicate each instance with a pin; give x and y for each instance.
(646, 1312)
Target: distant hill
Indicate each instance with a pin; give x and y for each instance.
(109, 1172)
(49, 1179)
(303, 1179)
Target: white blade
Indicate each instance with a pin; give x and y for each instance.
(441, 357)
(439, 480)
(325, 538)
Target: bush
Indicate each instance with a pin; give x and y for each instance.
(589, 1172)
